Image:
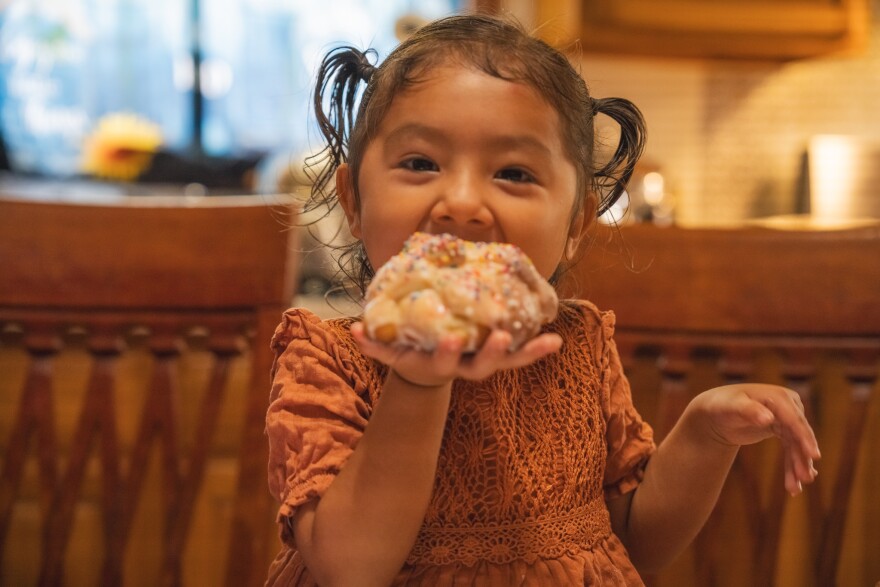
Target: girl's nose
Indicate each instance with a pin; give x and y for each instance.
(462, 208)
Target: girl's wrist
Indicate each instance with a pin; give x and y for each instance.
(392, 373)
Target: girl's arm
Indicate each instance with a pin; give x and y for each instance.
(685, 475)
(364, 526)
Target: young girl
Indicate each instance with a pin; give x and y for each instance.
(494, 468)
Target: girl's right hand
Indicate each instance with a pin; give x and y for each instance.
(447, 362)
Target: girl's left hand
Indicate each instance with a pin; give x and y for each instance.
(448, 362)
(747, 413)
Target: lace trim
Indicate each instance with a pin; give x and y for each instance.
(543, 538)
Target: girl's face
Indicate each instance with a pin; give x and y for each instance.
(469, 154)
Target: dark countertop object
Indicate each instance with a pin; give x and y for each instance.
(77, 189)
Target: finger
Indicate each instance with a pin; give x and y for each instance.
(807, 470)
(798, 467)
(792, 484)
(760, 415)
(750, 420)
(428, 368)
(490, 357)
(798, 401)
(408, 362)
(795, 489)
(535, 349)
(447, 356)
(367, 344)
(381, 352)
(358, 331)
(809, 443)
(532, 351)
(791, 422)
(799, 464)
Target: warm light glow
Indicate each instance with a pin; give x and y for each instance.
(614, 214)
(653, 189)
(831, 176)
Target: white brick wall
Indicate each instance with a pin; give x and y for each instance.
(730, 137)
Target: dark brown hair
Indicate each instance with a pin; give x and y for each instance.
(494, 45)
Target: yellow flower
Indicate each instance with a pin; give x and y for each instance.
(121, 146)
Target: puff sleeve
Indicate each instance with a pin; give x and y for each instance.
(629, 439)
(317, 412)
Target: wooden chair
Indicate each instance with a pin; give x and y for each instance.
(698, 308)
(133, 387)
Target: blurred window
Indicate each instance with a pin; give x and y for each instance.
(66, 63)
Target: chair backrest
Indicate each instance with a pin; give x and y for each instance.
(701, 307)
(133, 386)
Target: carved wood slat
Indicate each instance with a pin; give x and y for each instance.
(180, 514)
(33, 408)
(862, 376)
(103, 386)
(674, 364)
(250, 541)
(58, 518)
(767, 544)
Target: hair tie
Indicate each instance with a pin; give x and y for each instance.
(596, 106)
(365, 69)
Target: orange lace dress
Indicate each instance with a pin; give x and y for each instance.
(528, 458)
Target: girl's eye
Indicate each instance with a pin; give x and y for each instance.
(419, 164)
(515, 175)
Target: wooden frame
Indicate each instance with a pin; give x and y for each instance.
(690, 28)
(152, 469)
(699, 307)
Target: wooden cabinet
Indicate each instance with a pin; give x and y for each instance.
(751, 29)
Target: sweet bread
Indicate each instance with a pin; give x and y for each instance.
(439, 284)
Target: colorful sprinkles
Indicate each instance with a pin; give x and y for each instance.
(485, 285)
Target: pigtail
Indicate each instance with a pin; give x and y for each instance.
(610, 181)
(334, 101)
(336, 88)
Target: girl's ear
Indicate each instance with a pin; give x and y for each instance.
(347, 199)
(580, 224)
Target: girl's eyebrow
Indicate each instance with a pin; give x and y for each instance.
(519, 143)
(500, 142)
(414, 130)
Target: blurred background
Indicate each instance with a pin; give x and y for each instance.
(734, 102)
(222, 82)
(736, 94)
(736, 97)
